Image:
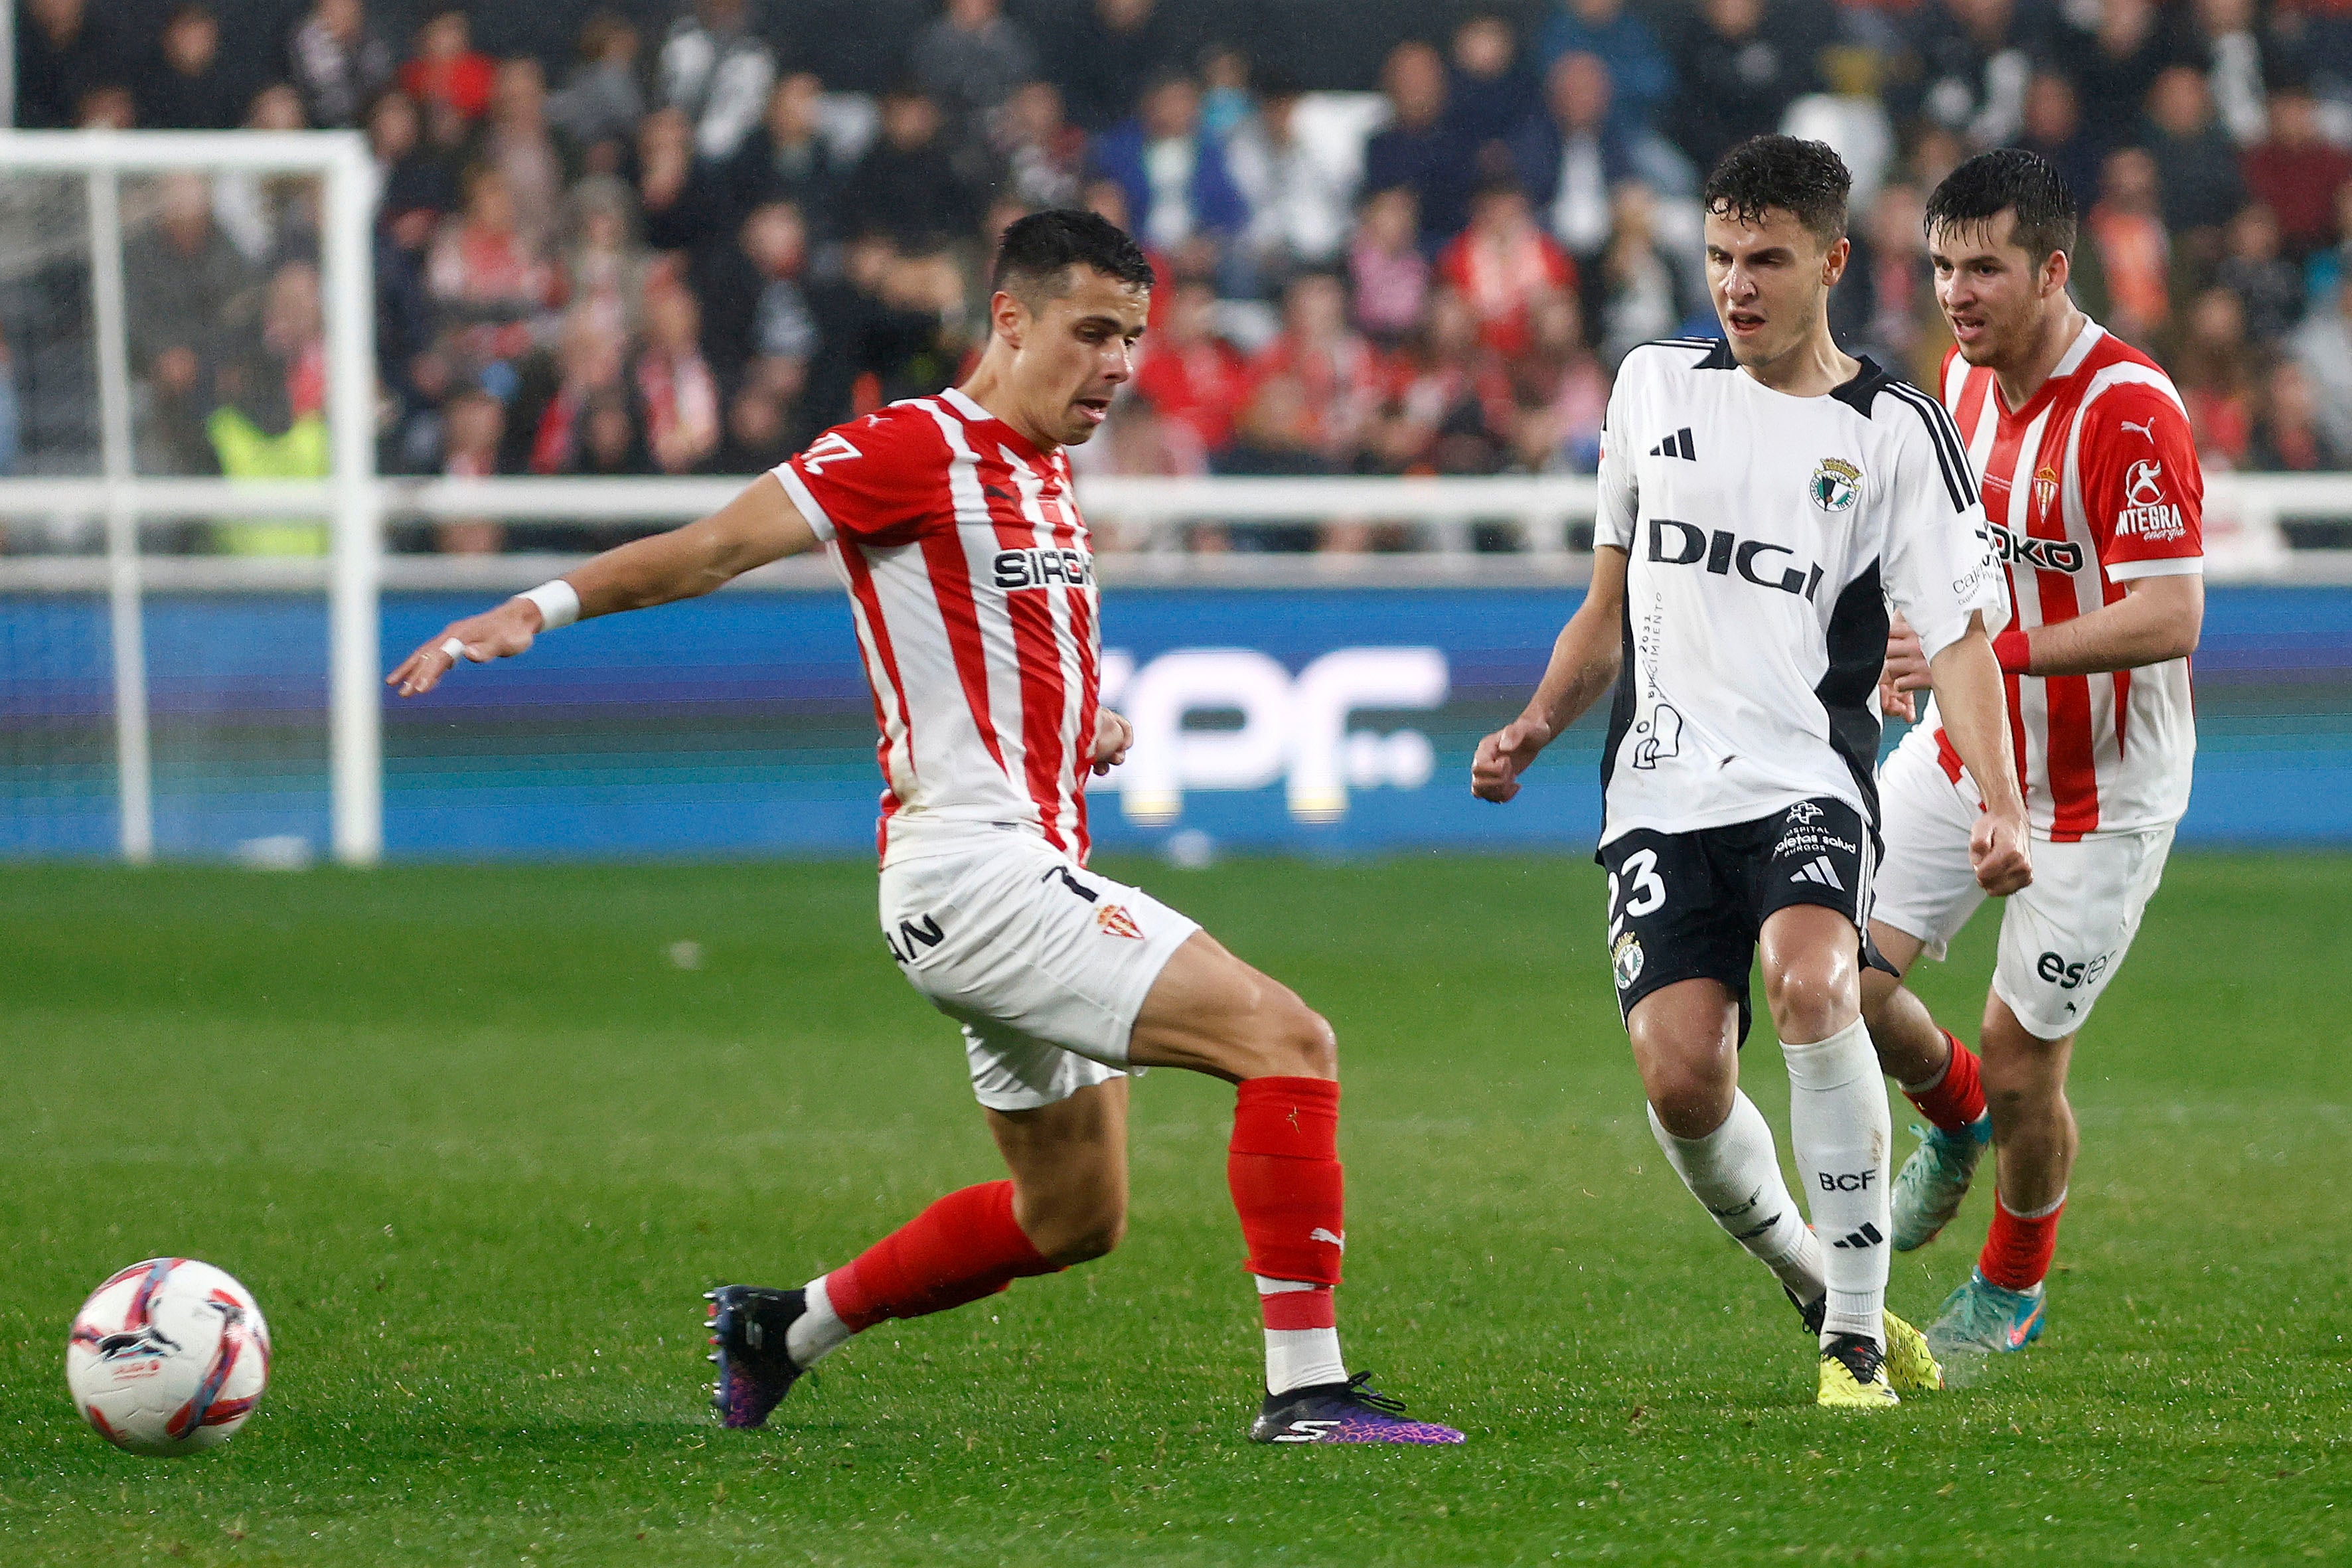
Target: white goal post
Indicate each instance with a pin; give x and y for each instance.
(340, 160)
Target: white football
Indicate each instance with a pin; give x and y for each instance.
(170, 1356)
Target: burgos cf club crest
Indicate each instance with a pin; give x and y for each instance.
(1625, 958)
(1836, 485)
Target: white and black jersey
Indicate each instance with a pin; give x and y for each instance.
(1765, 535)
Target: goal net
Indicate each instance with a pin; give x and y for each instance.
(187, 497)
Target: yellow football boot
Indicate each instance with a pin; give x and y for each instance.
(1911, 1367)
(1853, 1375)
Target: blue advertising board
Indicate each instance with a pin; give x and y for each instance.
(1313, 721)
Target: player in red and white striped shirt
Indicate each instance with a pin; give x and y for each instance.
(971, 577)
(2091, 485)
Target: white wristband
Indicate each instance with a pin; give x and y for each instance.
(559, 604)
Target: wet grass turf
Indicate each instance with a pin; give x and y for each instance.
(478, 1140)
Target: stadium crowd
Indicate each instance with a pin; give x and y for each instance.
(680, 254)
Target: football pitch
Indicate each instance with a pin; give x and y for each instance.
(478, 1137)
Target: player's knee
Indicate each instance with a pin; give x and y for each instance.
(1812, 999)
(1082, 1232)
(1292, 1040)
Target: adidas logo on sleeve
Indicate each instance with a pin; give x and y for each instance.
(1677, 444)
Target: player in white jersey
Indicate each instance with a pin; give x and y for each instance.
(952, 523)
(1762, 499)
(2092, 486)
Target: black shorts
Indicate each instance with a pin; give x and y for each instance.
(1690, 905)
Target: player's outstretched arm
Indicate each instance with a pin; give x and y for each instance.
(1584, 660)
(757, 526)
(2158, 618)
(1973, 702)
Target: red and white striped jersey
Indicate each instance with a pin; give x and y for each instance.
(971, 584)
(2092, 484)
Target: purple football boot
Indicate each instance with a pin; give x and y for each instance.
(747, 1325)
(1350, 1411)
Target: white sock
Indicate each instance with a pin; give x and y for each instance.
(1736, 1174)
(1840, 1129)
(1299, 1358)
(818, 1331)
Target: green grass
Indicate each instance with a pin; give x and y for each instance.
(476, 1144)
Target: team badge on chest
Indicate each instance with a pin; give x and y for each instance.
(1836, 485)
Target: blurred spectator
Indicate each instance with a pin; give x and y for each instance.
(1338, 375)
(2126, 228)
(414, 191)
(1297, 198)
(1044, 155)
(269, 422)
(971, 58)
(2116, 59)
(2197, 163)
(190, 295)
(1226, 100)
(2288, 436)
(882, 325)
(1645, 290)
(1735, 78)
(516, 143)
(1491, 93)
(1563, 392)
(600, 103)
(269, 216)
(2322, 347)
(1386, 269)
(758, 436)
(1574, 154)
(674, 384)
(1639, 69)
(786, 159)
(759, 307)
(2054, 128)
(1193, 378)
(66, 49)
(447, 72)
(1274, 437)
(337, 62)
(684, 200)
(1177, 183)
(476, 424)
(1418, 148)
(1501, 263)
(719, 71)
(187, 87)
(2214, 372)
(908, 185)
(491, 280)
(1975, 58)
(2269, 286)
(1108, 53)
(612, 444)
(2296, 172)
(2238, 59)
(1884, 306)
(550, 405)
(1454, 412)
(107, 106)
(605, 266)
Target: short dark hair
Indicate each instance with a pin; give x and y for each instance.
(1037, 251)
(2009, 179)
(1807, 179)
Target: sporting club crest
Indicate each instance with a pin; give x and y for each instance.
(1836, 484)
(1114, 920)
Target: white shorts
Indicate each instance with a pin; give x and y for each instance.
(2061, 939)
(1045, 964)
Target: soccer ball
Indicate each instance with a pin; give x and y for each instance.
(170, 1356)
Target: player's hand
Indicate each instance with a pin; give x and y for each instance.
(1997, 853)
(501, 633)
(1504, 755)
(1905, 672)
(1113, 736)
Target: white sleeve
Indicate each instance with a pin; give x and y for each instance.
(1619, 489)
(1940, 567)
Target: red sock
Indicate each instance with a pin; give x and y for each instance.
(1284, 1169)
(964, 1246)
(1957, 1097)
(2017, 1252)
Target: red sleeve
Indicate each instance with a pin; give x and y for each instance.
(2142, 488)
(878, 479)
